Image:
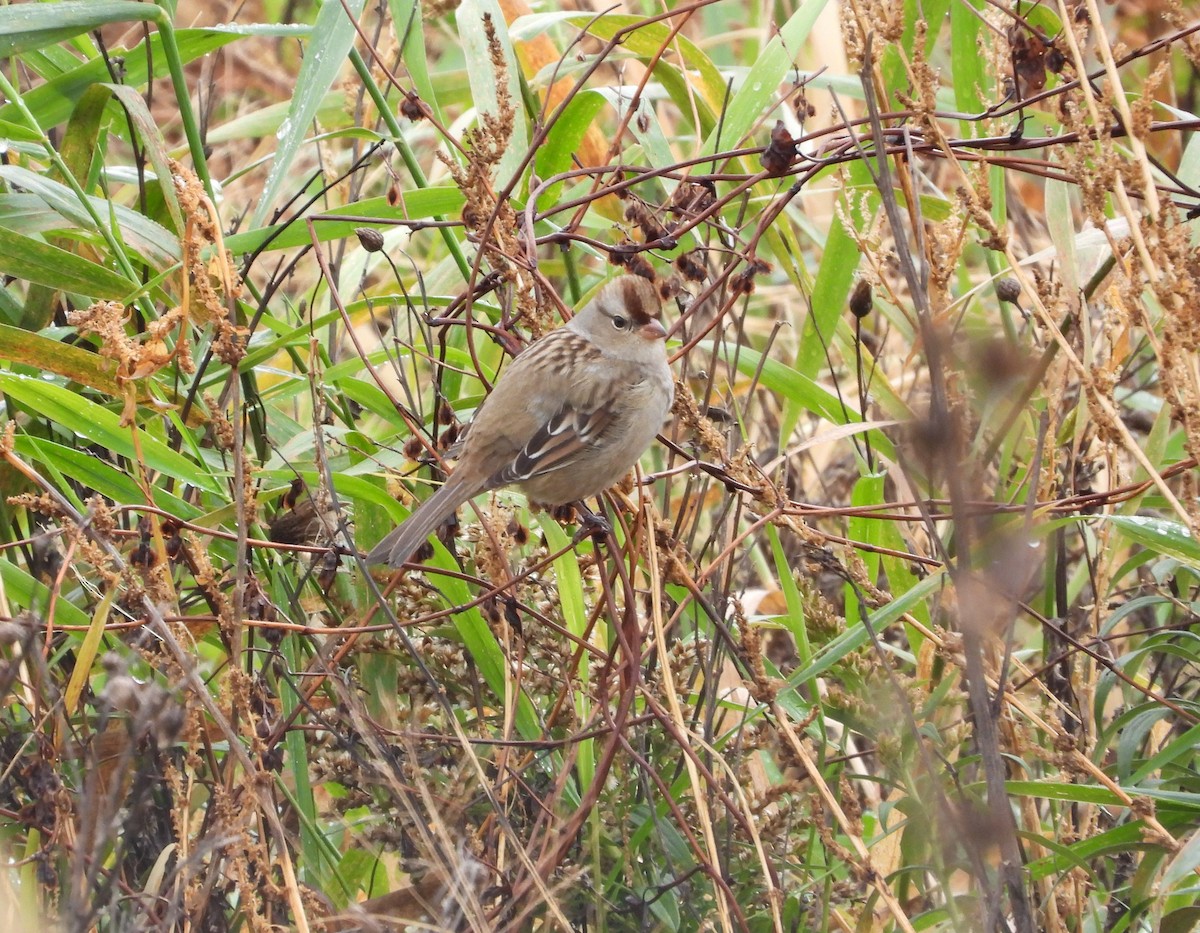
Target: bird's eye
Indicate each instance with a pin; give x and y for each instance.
(619, 322)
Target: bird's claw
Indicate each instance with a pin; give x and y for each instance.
(591, 524)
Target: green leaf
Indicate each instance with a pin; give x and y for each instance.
(483, 78)
(645, 41)
(86, 654)
(575, 620)
(1079, 854)
(785, 381)
(318, 857)
(1183, 864)
(1181, 748)
(32, 260)
(1062, 231)
(54, 356)
(153, 145)
(361, 871)
(81, 149)
(93, 473)
(52, 103)
(27, 593)
(1090, 793)
(1171, 539)
(794, 621)
(479, 640)
(62, 200)
(857, 635)
(892, 63)
(266, 120)
(101, 426)
(373, 399)
(26, 214)
(1182, 920)
(762, 83)
(406, 17)
(36, 25)
(1133, 732)
(562, 142)
(835, 276)
(968, 63)
(414, 205)
(333, 37)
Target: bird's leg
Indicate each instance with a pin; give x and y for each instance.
(592, 524)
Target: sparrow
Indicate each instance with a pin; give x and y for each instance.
(566, 420)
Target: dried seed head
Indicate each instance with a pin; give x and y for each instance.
(804, 108)
(412, 107)
(777, 157)
(692, 198)
(692, 265)
(370, 238)
(518, 532)
(620, 254)
(861, 299)
(413, 448)
(642, 214)
(743, 282)
(1008, 290)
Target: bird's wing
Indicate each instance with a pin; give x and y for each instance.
(567, 435)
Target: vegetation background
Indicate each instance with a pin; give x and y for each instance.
(895, 630)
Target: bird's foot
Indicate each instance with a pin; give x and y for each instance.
(592, 524)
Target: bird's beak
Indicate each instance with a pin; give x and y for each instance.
(652, 330)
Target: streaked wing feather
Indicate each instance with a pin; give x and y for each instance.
(557, 444)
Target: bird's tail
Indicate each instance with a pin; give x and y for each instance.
(398, 545)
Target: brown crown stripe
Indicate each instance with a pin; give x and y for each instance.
(635, 294)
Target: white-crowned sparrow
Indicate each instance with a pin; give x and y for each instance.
(567, 419)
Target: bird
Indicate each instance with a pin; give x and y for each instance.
(567, 419)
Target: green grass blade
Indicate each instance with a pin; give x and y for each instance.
(103, 427)
(333, 36)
